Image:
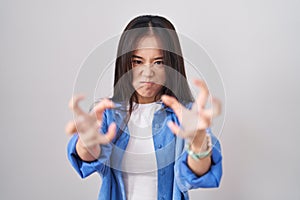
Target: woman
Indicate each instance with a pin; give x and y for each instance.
(136, 139)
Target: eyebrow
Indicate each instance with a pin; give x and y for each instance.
(135, 56)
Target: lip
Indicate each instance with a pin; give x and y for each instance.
(148, 83)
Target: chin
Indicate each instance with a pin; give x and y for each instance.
(147, 95)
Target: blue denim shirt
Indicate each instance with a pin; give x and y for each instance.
(174, 176)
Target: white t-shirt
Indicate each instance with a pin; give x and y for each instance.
(139, 162)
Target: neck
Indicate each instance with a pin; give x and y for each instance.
(145, 100)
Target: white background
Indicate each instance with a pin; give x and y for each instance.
(255, 45)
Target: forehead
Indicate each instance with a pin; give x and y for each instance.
(148, 46)
(147, 42)
(148, 53)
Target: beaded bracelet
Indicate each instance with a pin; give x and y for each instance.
(200, 155)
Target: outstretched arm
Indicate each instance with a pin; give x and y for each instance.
(194, 124)
(87, 126)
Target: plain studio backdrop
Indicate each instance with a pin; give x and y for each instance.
(254, 44)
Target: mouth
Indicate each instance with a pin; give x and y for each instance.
(147, 83)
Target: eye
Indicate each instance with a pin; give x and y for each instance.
(159, 62)
(136, 62)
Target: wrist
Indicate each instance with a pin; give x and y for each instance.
(87, 153)
(199, 144)
(201, 151)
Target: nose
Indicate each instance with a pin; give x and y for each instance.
(148, 71)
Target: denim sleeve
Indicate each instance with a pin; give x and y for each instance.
(84, 168)
(186, 179)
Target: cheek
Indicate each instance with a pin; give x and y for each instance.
(134, 75)
(161, 76)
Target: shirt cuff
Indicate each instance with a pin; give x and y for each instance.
(84, 168)
(187, 180)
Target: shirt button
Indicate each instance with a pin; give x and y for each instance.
(162, 172)
(159, 146)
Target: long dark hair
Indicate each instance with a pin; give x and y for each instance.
(176, 83)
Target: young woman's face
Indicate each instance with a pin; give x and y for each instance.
(148, 69)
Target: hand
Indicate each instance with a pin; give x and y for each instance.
(88, 124)
(195, 121)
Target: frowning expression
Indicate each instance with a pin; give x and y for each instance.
(148, 69)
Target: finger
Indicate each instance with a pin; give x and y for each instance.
(70, 128)
(100, 107)
(83, 124)
(204, 123)
(203, 96)
(174, 128)
(174, 104)
(207, 113)
(205, 118)
(111, 133)
(73, 104)
(214, 111)
(217, 107)
(109, 136)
